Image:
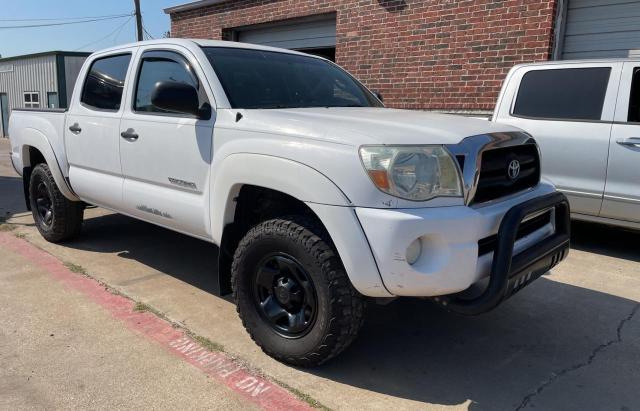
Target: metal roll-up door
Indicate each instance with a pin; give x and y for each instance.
(300, 35)
(601, 29)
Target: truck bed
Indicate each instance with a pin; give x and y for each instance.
(30, 126)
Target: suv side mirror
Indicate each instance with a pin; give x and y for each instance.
(180, 98)
(378, 94)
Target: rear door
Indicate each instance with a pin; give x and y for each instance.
(568, 109)
(622, 192)
(166, 164)
(92, 131)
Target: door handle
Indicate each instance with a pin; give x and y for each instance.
(129, 135)
(629, 142)
(75, 128)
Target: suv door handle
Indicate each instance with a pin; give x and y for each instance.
(129, 135)
(75, 128)
(629, 142)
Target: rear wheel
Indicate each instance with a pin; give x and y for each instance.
(293, 294)
(56, 217)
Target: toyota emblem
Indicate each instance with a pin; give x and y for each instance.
(514, 169)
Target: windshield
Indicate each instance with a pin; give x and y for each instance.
(266, 79)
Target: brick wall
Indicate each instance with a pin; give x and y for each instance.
(431, 54)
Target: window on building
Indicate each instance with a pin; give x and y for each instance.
(52, 100)
(634, 98)
(31, 99)
(571, 94)
(160, 66)
(105, 82)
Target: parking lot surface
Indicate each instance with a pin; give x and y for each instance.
(571, 340)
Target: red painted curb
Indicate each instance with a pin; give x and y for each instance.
(220, 366)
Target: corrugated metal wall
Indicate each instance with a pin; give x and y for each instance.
(601, 28)
(36, 74)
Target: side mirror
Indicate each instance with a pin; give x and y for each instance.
(378, 94)
(180, 98)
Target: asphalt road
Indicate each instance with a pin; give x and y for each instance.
(569, 341)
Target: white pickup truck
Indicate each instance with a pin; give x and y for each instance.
(317, 196)
(585, 115)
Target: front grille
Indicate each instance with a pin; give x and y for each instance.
(494, 181)
(489, 244)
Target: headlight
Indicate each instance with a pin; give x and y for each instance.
(416, 173)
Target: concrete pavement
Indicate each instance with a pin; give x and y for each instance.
(60, 350)
(569, 341)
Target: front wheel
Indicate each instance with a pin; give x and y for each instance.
(293, 294)
(56, 217)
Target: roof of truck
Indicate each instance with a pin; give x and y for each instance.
(583, 61)
(204, 43)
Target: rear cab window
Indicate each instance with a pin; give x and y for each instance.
(103, 87)
(563, 94)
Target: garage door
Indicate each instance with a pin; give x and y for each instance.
(299, 35)
(601, 28)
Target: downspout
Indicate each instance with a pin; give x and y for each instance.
(559, 31)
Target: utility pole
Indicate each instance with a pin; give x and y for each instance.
(138, 20)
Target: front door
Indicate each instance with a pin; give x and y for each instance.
(622, 192)
(92, 133)
(166, 156)
(4, 115)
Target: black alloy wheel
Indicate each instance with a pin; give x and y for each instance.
(292, 292)
(57, 218)
(285, 296)
(44, 205)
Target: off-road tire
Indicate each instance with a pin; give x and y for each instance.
(340, 308)
(67, 215)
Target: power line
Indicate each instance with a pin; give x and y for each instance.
(66, 23)
(64, 18)
(117, 35)
(144, 28)
(118, 29)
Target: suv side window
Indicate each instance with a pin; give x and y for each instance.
(105, 82)
(158, 66)
(634, 98)
(564, 94)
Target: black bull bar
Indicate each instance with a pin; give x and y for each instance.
(509, 273)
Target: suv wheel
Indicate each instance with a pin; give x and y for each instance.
(293, 294)
(56, 217)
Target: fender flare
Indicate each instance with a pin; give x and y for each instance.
(30, 137)
(281, 174)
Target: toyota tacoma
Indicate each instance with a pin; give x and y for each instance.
(318, 197)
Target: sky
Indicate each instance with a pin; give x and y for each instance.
(90, 36)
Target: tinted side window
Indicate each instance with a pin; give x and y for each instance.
(576, 94)
(634, 98)
(105, 82)
(160, 66)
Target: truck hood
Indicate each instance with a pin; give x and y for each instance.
(365, 125)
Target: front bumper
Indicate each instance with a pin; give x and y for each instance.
(450, 263)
